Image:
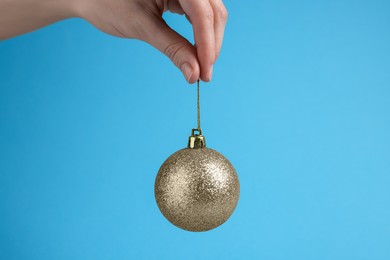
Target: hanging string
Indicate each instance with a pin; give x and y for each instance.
(199, 107)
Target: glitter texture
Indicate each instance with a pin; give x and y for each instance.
(197, 189)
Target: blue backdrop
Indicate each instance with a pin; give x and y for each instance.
(299, 102)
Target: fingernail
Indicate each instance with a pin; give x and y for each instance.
(211, 72)
(187, 71)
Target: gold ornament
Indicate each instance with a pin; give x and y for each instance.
(197, 188)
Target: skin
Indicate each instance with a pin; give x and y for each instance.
(135, 19)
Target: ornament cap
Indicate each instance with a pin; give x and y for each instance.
(196, 141)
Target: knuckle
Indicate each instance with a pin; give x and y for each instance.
(208, 14)
(223, 13)
(172, 51)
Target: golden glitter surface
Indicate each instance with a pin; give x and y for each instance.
(197, 189)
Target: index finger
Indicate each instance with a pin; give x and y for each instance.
(202, 17)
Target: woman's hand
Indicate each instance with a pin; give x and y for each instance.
(142, 19)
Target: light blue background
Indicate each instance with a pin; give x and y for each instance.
(299, 102)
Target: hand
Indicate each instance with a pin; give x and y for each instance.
(142, 19)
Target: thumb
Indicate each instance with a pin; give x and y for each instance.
(181, 52)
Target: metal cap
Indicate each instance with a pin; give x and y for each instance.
(196, 141)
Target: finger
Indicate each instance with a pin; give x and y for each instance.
(174, 46)
(201, 15)
(220, 18)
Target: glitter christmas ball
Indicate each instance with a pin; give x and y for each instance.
(197, 188)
